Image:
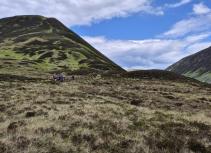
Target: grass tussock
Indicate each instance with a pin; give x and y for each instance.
(101, 115)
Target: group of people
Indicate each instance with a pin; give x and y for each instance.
(60, 77)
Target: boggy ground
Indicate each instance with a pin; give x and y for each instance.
(104, 115)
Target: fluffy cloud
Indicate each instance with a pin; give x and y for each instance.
(197, 47)
(198, 23)
(149, 54)
(201, 9)
(182, 2)
(77, 12)
(197, 38)
(184, 38)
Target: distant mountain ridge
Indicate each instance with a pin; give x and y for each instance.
(37, 43)
(196, 66)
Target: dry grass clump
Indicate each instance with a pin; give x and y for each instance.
(104, 115)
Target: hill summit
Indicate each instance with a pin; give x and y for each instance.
(196, 66)
(37, 43)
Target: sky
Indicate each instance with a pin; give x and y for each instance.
(136, 34)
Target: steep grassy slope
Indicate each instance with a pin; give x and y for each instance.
(196, 66)
(104, 115)
(36, 43)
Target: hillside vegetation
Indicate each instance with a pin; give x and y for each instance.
(197, 66)
(39, 44)
(104, 115)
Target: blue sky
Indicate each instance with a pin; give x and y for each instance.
(138, 25)
(144, 26)
(136, 34)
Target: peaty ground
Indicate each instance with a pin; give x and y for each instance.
(104, 115)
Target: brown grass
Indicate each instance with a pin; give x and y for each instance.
(106, 115)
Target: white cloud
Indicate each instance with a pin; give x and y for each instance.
(77, 12)
(200, 22)
(194, 24)
(198, 37)
(182, 2)
(151, 53)
(197, 47)
(201, 9)
(184, 38)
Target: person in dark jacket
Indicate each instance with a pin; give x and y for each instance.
(58, 77)
(61, 78)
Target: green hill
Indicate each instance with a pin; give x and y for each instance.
(39, 44)
(197, 66)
